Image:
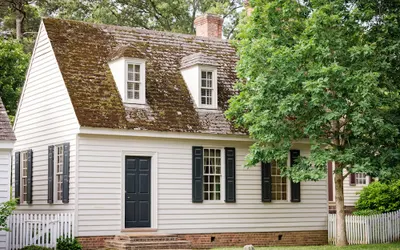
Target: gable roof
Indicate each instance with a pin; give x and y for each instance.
(6, 132)
(83, 51)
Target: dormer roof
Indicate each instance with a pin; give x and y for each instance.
(198, 59)
(6, 132)
(83, 51)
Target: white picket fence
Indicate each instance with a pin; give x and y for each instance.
(39, 229)
(372, 229)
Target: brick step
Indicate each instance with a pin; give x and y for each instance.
(145, 237)
(128, 245)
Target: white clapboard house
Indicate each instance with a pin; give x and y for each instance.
(125, 128)
(7, 140)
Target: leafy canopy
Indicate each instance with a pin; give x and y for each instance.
(315, 71)
(13, 65)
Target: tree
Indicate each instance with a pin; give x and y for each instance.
(13, 65)
(6, 209)
(325, 71)
(176, 16)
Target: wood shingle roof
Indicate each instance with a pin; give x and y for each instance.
(83, 51)
(6, 132)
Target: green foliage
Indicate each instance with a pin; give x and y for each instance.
(6, 209)
(13, 65)
(365, 212)
(321, 70)
(68, 244)
(32, 247)
(380, 197)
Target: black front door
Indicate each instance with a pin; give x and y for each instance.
(137, 192)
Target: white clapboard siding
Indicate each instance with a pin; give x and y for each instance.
(45, 117)
(5, 161)
(100, 191)
(39, 229)
(372, 229)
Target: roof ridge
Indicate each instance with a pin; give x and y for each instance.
(142, 30)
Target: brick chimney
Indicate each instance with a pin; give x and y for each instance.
(209, 25)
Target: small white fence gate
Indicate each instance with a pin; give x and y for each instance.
(39, 229)
(371, 229)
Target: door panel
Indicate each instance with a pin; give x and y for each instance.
(137, 192)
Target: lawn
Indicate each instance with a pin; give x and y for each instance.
(355, 247)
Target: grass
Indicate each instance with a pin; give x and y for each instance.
(391, 246)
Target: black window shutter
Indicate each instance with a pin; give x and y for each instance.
(197, 174)
(17, 171)
(266, 194)
(295, 187)
(352, 179)
(29, 177)
(230, 175)
(50, 176)
(65, 182)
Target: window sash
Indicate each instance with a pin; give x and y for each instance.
(212, 174)
(361, 178)
(279, 188)
(58, 173)
(24, 176)
(133, 81)
(206, 87)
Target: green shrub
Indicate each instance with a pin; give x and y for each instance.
(365, 212)
(35, 248)
(379, 197)
(68, 244)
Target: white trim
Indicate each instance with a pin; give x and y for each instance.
(76, 202)
(7, 145)
(142, 87)
(154, 186)
(214, 97)
(157, 134)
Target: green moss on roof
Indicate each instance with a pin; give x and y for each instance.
(83, 51)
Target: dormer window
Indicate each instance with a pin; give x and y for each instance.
(206, 88)
(203, 88)
(135, 81)
(129, 75)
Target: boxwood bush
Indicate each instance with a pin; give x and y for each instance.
(35, 248)
(378, 198)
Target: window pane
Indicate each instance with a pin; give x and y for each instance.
(137, 77)
(130, 67)
(203, 74)
(136, 94)
(137, 85)
(278, 185)
(137, 68)
(209, 75)
(130, 95)
(212, 174)
(130, 86)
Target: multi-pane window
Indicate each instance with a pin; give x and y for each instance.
(24, 177)
(133, 82)
(278, 185)
(59, 162)
(206, 87)
(361, 178)
(212, 174)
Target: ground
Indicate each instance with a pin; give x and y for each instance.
(355, 247)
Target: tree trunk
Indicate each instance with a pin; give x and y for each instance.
(341, 237)
(18, 26)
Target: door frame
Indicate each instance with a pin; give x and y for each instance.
(153, 188)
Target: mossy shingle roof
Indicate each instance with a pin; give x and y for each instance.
(83, 51)
(6, 132)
